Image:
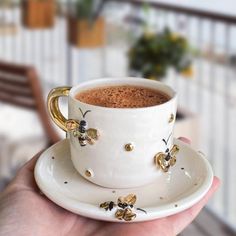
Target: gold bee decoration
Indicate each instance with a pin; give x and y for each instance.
(129, 200)
(93, 134)
(124, 207)
(172, 117)
(80, 130)
(165, 160)
(71, 124)
(108, 205)
(125, 214)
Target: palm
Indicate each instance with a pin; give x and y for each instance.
(27, 212)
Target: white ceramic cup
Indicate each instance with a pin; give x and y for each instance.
(123, 155)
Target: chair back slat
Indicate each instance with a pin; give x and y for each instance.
(19, 86)
(12, 79)
(17, 101)
(12, 69)
(15, 87)
(15, 90)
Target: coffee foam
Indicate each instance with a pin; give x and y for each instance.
(124, 96)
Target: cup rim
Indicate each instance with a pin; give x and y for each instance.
(122, 81)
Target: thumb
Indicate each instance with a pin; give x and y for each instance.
(25, 176)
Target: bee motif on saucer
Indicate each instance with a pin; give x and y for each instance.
(124, 207)
(81, 131)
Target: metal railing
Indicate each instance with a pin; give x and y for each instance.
(211, 94)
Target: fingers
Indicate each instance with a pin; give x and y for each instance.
(31, 163)
(185, 140)
(25, 176)
(181, 220)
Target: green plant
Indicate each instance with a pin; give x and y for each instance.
(88, 9)
(152, 54)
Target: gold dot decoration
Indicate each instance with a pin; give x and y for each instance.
(88, 173)
(129, 147)
(172, 117)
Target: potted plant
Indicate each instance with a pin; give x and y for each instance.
(38, 14)
(86, 28)
(151, 56)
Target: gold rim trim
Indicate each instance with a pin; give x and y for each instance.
(53, 106)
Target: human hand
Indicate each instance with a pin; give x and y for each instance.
(24, 211)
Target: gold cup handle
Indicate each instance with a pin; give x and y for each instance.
(53, 106)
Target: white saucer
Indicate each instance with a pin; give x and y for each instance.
(175, 191)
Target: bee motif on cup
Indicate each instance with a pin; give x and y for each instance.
(124, 207)
(81, 131)
(165, 160)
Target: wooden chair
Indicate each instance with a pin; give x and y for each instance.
(19, 86)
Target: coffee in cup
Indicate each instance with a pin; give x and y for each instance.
(122, 96)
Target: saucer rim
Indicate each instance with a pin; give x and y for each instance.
(91, 211)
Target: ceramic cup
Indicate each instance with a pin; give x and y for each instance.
(118, 147)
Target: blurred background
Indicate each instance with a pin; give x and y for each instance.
(187, 44)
